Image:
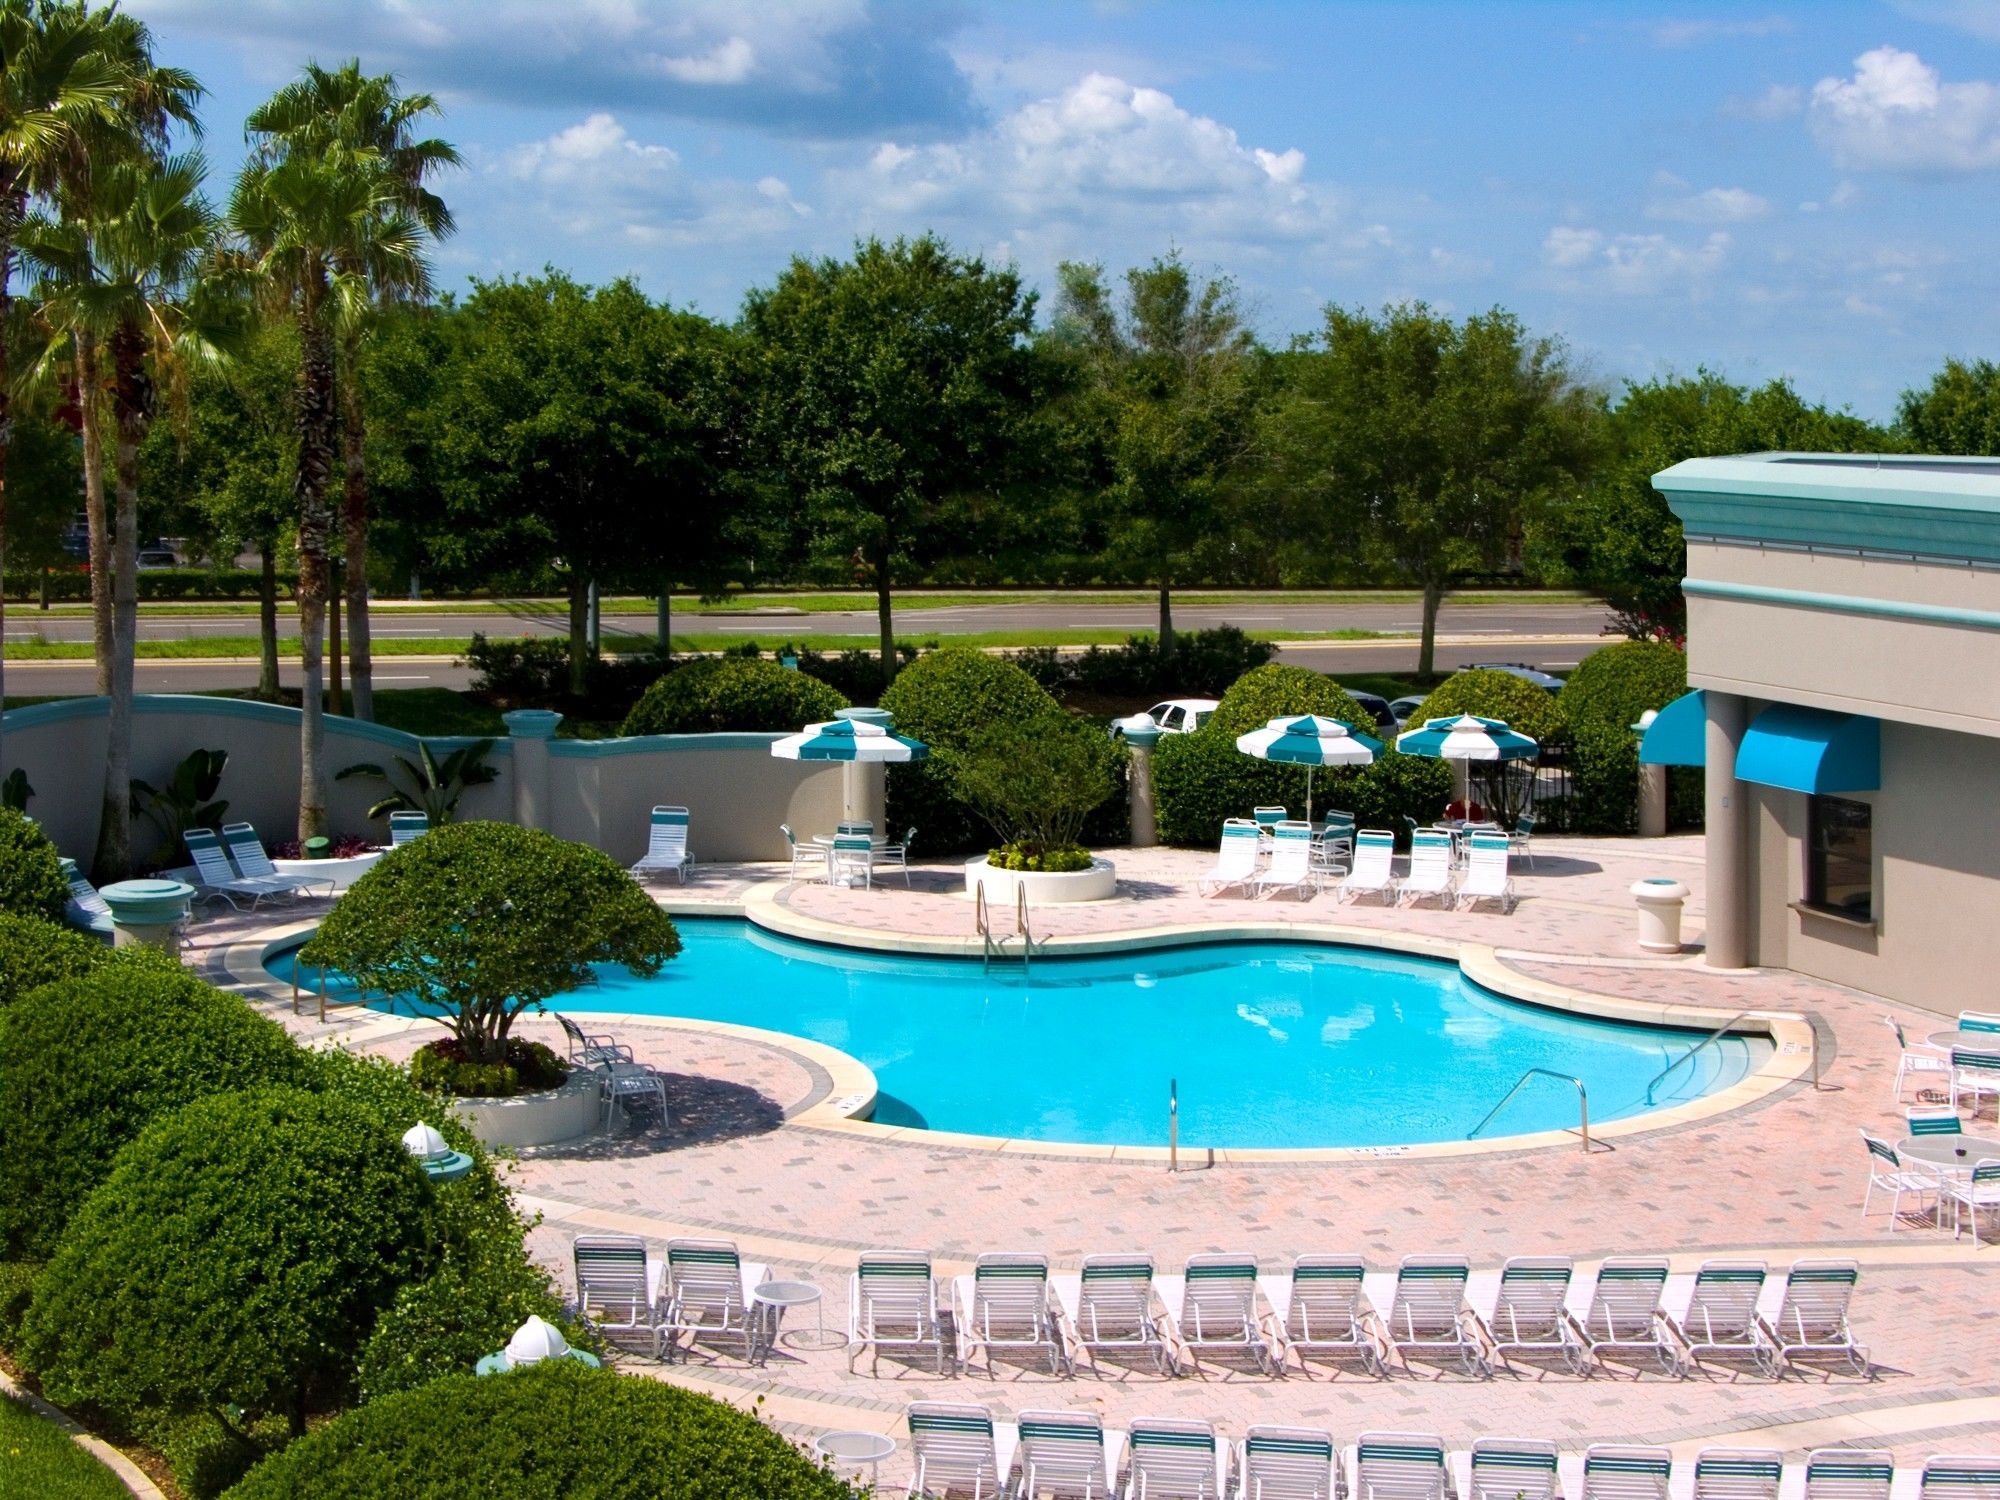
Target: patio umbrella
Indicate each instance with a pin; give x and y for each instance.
(1467, 737)
(1309, 740)
(849, 740)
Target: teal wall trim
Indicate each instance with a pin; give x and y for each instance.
(1843, 604)
(658, 744)
(234, 708)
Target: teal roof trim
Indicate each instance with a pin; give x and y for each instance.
(1811, 750)
(1842, 604)
(1679, 735)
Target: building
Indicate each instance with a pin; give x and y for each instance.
(1844, 651)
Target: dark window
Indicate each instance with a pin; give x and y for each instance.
(1839, 857)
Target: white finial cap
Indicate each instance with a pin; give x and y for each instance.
(535, 1341)
(424, 1143)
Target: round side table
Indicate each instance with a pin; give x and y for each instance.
(856, 1450)
(776, 1296)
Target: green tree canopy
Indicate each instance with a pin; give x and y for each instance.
(1958, 412)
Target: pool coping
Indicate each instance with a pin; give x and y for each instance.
(851, 1091)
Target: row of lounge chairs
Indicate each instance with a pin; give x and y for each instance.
(960, 1450)
(1297, 864)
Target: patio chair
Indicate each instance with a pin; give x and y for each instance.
(707, 1295)
(1934, 1122)
(85, 909)
(1429, 1316)
(1267, 819)
(1486, 877)
(1521, 840)
(1173, 1458)
(1850, 1474)
(1975, 1073)
(215, 877)
(1399, 1466)
(590, 1051)
(246, 850)
(1511, 1469)
(1217, 1310)
(898, 854)
(1006, 1304)
(1954, 1476)
(1920, 1061)
(634, 1088)
(1738, 1473)
(1528, 1313)
(1624, 1315)
(1286, 1463)
(1971, 1194)
(1066, 1455)
(1333, 845)
(1324, 1309)
(1620, 1471)
(851, 860)
(666, 844)
(616, 1285)
(1430, 868)
(957, 1452)
(856, 825)
(1114, 1310)
(808, 860)
(1290, 868)
(407, 826)
(1722, 1317)
(1235, 859)
(1811, 1322)
(1979, 1020)
(892, 1304)
(1888, 1173)
(1374, 858)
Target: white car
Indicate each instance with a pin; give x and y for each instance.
(1175, 716)
(1401, 709)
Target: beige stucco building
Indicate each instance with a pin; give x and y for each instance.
(1844, 648)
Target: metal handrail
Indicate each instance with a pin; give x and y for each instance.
(982, 925)
(1720, 1031)
(1582, 1102)
(1021, 927)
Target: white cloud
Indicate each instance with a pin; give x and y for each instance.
(1692, 32)
(1897, 115)
(729, 61)
(1778, 102)
(1675, 202)
(1565, 246)
(1632, 263)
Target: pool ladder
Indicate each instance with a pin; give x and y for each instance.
(994, 944)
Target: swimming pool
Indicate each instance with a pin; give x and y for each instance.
(1273, 1044)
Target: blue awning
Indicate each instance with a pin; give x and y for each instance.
(1811, 750)
(1678, 735)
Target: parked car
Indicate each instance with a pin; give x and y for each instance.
(158, 557)
(1403, 709)
(1175, 716)
(1535, 675)
(1376, 704)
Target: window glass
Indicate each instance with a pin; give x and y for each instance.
(1840, 857)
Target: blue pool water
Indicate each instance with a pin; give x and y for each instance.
(1273, 1044)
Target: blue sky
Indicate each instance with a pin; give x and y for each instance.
(1806, 190)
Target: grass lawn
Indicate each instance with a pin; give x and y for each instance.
(37, 1458)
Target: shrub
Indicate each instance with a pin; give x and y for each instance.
(206, 1454)
(552, 1429)
(443, 1067)
(87, 1063)
(532, 670)
(31, 875)
(727, 692)
(1614, 685)
(1494, 695)
(483, 920)
(855, 674)
(236, 1256)
(35, 952)
(1267, 693)
(1200, 779)
(1037, 785)
(1603, 780)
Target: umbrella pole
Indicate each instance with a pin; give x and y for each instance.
(1309, 793)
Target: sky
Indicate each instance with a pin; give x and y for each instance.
(1804, 190)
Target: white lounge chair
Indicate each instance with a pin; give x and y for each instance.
(1721, 1314)
(1429, 1316)
(1324, 1309)
(1955, 1476)
(1511, 1469)
(666, 845)
(1889, 1173)
(1374, 860)
(1485, 877)
(1291, 861)
(1006, 1303)
(1528, 1313)
(892, 1304)
(1979, 1020)
(1399, 1466)
(1738, 1473)
(808, 860)
(406, 827)
(85, 909)
(1286, 1463)
(1235, 859)
(1624, 1316)
(1975, 1073)
(708, 1295)
(958, 1452)
(1811, 1322)
(1430, 867)
(1849, 1474)
(618, 1286)
(246, 851)
(1173, 1458)
(216, 877)
(1971, 1195)
(1111, 1306)
(1216, 1312)
(1622, 1471)
(1066, 1455)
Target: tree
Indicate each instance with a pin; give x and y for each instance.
(1171, 368)
(1430, 442)
(1958, 412)
(890, 383)
(485, 920)
(346, 114)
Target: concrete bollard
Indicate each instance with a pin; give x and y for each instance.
(1659, 900)
(148, 913)
(1145, 824)
(530, 730)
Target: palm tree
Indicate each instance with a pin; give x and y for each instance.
(348, 113)
(302, 218)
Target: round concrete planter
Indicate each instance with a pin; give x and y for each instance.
(543, 1119)
(342, 872)
(1044, 888)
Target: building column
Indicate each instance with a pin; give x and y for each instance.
(529, 731)
(1652, 801)
(864, 785)
(1728, 835)
(1145, 825)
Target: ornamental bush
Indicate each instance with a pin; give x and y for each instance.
(550, 1430)
(1494, 695)
(35, 951)
(31, 876)
(1200, 779)
(732, 692)
(87, 1063)
(1614, 685)
(237, 1256)
(1267, 693)
(1037, 785)
(1603, 780)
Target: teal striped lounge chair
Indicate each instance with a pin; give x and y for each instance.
(1979, 1020)
(216, 878)
(1511, 1469)
(1374, 858)
(407, 826)
(1619, 1471)
(1235, 859)
(617, 1285)
(1953, 1476)
(1290, 868)
(1738, 1473)
(1429, 1317)
(1066, 1455)
(1811, 1323)
(1430, 868)
(85, 909)
(1174, 1458)
(252, 863)
(1399, 1466)
(1721, 1317)
(707, 1296)
(1007, 1304)
(1529, 1316)
(666, 845)
(1324, 1309)
(1849, 1474)
(1286, 1463)
(1115, 1310)
(957, 1451)
(1624, 1316)
(1217, 1311)
(892, 1304)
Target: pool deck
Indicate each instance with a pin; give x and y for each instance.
(756, 1154)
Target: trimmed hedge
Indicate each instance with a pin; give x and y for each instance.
(1267, 693)
(87, 1063)
(1614, 685)
(732, 692)
(35, 952)
(550, 1430)
(31, 877)
(1602, 700)
(1495, 695)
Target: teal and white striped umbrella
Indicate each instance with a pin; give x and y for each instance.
(1467, 737)
(849, 740)
(1310, 740)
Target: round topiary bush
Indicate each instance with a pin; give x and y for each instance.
(1267, 693)
(31, 876)
(732, 692)
(87, 1063)
(35, 951)
(552, 1429)
(1494, 695)
(237, 1256)
(1614, 685)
